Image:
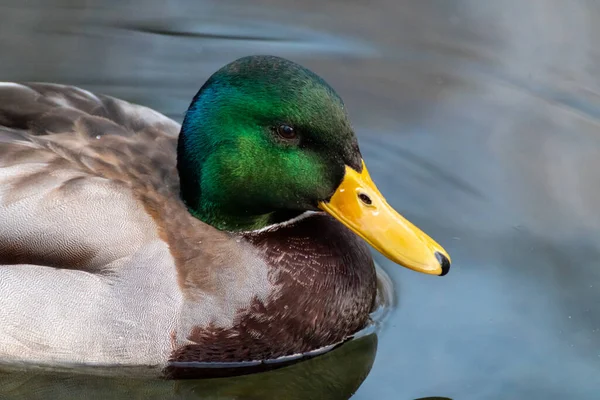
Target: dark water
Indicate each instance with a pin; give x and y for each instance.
(480, 121)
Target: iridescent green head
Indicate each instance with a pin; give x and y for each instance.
(263, 139)
(266, 139)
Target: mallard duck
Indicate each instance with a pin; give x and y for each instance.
(128, 239)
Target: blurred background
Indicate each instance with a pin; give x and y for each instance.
(479, 121)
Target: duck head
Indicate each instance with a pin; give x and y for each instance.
(265, 140)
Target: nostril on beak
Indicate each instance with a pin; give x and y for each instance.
(365, 199)
(444, 262)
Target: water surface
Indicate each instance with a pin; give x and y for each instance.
(478, 120)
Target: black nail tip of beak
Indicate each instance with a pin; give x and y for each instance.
(444, 262)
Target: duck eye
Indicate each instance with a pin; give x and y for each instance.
(286, 132)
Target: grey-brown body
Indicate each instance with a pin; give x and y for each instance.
(101, 263)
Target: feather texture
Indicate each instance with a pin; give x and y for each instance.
(101, 263)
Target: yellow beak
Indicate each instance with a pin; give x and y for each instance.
(358, 204)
